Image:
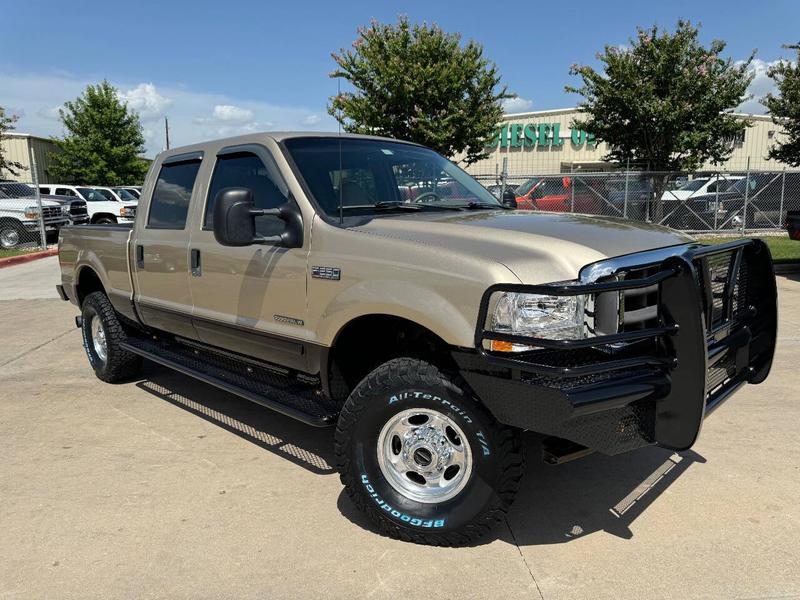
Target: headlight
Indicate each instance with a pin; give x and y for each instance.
(127, 211)
(537, 315)
(65, 209)
(31, 212)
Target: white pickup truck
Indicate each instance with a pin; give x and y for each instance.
(19, 216)
(100, 208)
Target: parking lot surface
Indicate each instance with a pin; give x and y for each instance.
(167, 488)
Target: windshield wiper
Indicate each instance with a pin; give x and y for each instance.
(484, 205)
(383, 206)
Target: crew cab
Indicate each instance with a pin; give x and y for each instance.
(103, 207)
(298, 271)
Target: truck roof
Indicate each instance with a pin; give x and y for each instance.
(278, 136)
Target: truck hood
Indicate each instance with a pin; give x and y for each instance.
(537, 247)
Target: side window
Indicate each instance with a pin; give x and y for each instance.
(170, 202)
(65, 192)
(245, 169)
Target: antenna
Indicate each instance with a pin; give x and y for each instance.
(166, 130)
(341, 176)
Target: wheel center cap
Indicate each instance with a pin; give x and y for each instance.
(423, 457)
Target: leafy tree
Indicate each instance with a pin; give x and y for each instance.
(785, 108)
(418, 83)
(103, 140)
(7, 124)
(664, 103)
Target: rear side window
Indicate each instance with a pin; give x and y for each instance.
(170, 203)
(245, 169)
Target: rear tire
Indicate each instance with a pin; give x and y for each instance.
(423, 459)
(102, 336)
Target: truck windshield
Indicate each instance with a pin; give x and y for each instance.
(369, 175)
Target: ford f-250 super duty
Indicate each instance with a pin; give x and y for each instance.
(372, 285)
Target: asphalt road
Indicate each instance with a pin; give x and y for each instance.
(167, 488)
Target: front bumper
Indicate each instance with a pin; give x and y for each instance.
(653, 385)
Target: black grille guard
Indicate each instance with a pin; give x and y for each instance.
(730, 333)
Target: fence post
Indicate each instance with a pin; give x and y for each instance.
(503, 176)
(716, 203)
(572, 188)
(746, 195)
(35, 180)
(625, 201)
(783, 189)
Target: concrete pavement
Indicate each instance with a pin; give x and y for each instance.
(168, 488)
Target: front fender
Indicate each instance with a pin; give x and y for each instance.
(454, 323)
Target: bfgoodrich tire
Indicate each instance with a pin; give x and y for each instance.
(102, 336)
(424, 460)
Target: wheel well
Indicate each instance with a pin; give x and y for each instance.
(88, 282)
(99, 216)
(369, 341)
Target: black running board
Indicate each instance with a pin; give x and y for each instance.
(240, 377)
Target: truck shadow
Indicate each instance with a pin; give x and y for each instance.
(554, 504)
(305, 446)
(559, 504)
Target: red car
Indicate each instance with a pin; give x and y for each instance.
(554, 194)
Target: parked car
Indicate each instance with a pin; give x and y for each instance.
(701, 186)
(764, 194)
(556, 194)
(101, 210)
(74, 208)
(19, 216)
(431, 334)
(117, 194)
(496, 189)
(126, 194)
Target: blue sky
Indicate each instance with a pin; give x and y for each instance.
(222, 68)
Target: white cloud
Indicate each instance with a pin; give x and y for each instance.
(232, 114)
(146, 101)
(759, 87)
(516, 105)
(194, 116)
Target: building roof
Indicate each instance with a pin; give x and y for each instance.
(561, 111)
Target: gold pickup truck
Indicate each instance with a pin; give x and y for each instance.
(371, 285)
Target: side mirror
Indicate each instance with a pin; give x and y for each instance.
(235, 220)
(509, 198)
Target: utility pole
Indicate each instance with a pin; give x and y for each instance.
(166, 130)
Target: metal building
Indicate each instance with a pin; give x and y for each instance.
(18, 147)
(545, 142)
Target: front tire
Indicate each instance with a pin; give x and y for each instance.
(11, 235)
(423, 459)
(102, 336)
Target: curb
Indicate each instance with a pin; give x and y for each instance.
(23, 258)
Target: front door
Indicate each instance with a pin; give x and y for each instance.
(161, 248)
(251, 299)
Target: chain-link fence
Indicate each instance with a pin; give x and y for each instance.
(718, 201)
(27, 219)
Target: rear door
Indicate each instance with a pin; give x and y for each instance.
(161, 247)
(251, 299)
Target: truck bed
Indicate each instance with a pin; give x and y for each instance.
(105, 249)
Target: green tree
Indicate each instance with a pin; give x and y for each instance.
(7, 124)
(785, 108)
(103, 140)
(664, 103)
(418, 83)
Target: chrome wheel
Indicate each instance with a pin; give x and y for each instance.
(9, 237)
(424, 455)
(99, 339)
